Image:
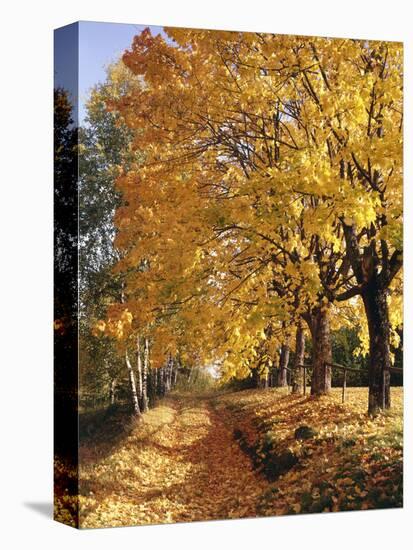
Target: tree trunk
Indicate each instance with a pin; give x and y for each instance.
(165, 378)
(171, 373)
(155, 381)
(112, 391)
(139, 367)
(298, 374)
(145, 376)
(191, 372)
(270, 378)
(374, 276)
(377, 312)
(132, 383)
(274, 377)
(175, 374)
(160, 382)
(282, 373)
(264, 381)
(168, 374)
(153, 378)
(322, 351)
(256, 378)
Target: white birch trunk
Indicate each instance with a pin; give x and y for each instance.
(145, 376)
(132, 383)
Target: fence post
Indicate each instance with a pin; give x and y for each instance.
(344, 385)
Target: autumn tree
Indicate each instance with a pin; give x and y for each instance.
(282, 158)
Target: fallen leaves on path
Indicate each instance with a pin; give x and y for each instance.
(195, 458)
(180, 464)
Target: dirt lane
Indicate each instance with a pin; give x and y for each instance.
(180, 464)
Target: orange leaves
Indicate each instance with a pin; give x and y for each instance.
(118, 324)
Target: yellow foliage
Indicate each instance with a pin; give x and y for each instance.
(257, 151)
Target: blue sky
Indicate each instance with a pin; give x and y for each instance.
(99, 45)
